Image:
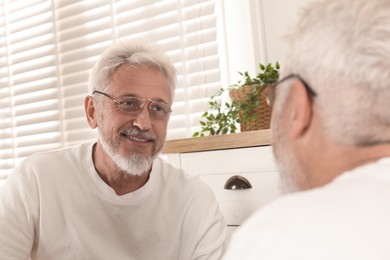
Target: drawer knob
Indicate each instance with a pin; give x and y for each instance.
(237, 182)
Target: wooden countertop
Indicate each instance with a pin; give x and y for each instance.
(218, 142)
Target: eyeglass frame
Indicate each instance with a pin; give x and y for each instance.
(151, 101)
(271, 93)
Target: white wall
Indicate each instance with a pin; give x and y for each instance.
(241, 41)
(279, 17)
(253, 32)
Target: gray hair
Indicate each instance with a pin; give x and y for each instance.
(342, 49)
(132, 53)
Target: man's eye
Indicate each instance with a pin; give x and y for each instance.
(130, 104)
(158, 108)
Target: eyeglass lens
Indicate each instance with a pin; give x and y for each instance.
(135, 105)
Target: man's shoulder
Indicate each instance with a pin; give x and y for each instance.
(310, 203)
(60, 153)
(179, 173)
(184, 181)
(343, 217)
(333, 205)
(55, 160)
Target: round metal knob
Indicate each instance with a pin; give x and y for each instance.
(237, 182)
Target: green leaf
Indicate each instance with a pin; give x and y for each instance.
(224, 117)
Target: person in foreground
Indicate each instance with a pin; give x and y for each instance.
(114, 198)
(331, 140)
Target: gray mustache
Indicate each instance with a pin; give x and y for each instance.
(136, 132)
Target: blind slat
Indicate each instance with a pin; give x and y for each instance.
(48, 47)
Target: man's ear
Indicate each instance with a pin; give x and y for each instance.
(301, 109)
(90, 111)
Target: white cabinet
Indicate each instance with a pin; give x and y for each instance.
(256, 164)
(215, 159)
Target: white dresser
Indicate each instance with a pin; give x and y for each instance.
(216, 159)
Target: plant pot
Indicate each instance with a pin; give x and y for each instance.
(262, 111)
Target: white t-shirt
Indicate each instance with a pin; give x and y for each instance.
(55, 206)
(348, 219)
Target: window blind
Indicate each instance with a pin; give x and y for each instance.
(47, 48)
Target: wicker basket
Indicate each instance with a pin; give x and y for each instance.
(263, 111)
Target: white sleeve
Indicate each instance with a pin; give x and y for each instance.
(213, 237)
(18, 214)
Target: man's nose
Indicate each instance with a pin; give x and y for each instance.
(142, 119)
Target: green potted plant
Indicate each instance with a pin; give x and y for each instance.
(246, 108)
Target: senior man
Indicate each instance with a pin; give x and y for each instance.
(331, 140)
(113, 198)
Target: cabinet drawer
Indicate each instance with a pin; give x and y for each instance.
(214, 168)
(238, 205)
(229, 161)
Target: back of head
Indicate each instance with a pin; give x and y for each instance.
(342, 49)
(133, 53)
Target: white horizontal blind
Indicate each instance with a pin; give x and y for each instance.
(47, 48)
(30, 104)
(6, 151)
(187, 31)
(84, 30)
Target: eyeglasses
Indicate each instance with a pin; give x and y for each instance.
(272, 89)
(134, 105)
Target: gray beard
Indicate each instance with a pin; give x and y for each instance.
(134, 164)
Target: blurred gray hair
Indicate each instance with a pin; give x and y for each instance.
(133, 53)
(342, 49)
